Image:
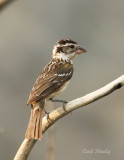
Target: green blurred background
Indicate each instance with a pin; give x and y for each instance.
(28, 31)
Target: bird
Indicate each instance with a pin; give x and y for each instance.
(52, 81)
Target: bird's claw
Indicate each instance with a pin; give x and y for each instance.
(47, 116)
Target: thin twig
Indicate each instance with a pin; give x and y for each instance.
(51, 143)
(4, 3)
(50, 154)
(27, 145)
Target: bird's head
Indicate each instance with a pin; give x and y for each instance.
(67, 49)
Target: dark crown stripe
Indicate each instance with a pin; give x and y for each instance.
(64, 41)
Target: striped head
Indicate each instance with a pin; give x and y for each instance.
(66, 49)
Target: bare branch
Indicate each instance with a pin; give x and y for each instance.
(50, 155)
(4, 3)
(51, 143)
(27, 145)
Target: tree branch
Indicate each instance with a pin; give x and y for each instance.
(50, 155)
(4, 3)
(27, 145)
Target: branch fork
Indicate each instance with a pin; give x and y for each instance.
(58, 113)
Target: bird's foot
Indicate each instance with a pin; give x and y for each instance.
(47, 116)
(62, 101)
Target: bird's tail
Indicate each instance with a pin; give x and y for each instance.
(34, 129)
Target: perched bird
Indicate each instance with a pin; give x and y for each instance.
(53, 80)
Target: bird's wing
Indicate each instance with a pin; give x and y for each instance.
(51, 79)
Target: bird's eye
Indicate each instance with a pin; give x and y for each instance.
(71, 46)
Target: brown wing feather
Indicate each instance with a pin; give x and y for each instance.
(51, 79)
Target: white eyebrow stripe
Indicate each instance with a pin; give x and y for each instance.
(67, 44)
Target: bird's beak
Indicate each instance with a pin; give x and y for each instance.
(80, 50)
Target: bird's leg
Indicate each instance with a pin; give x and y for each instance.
(47, 116)
(62, 101)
